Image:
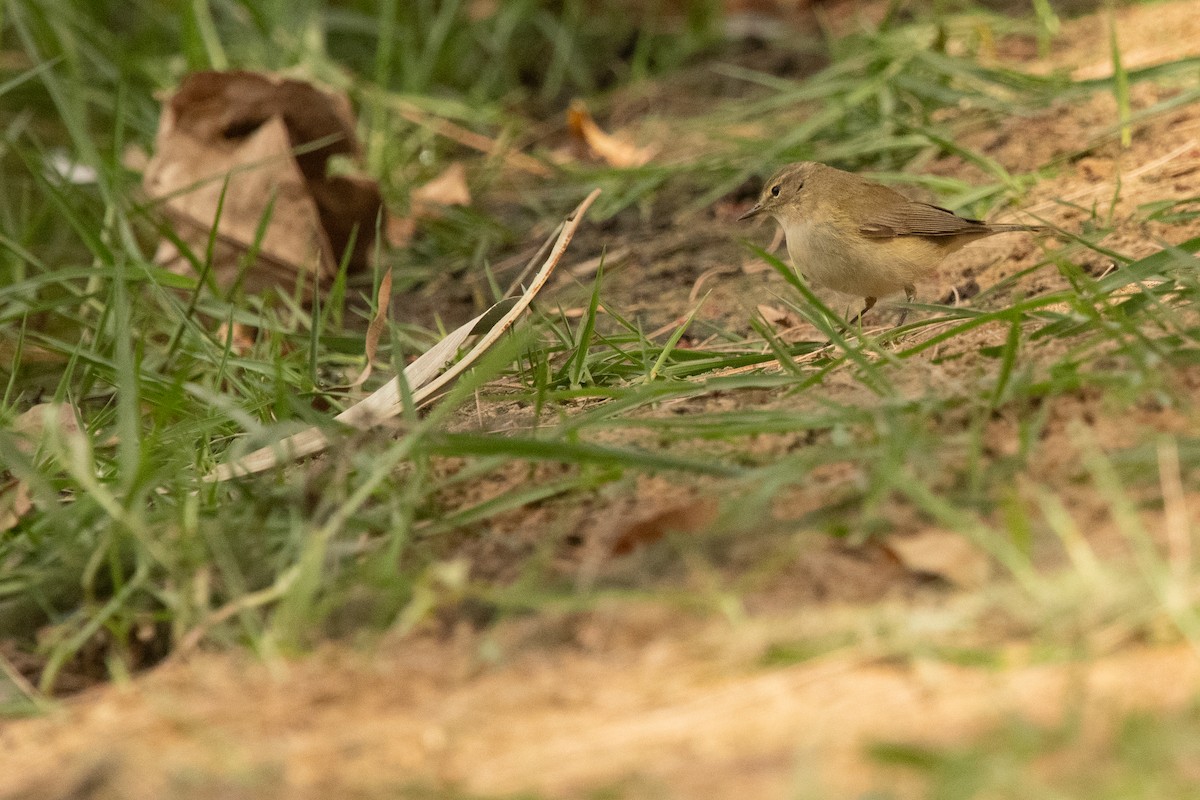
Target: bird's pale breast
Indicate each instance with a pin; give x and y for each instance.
(857, 265)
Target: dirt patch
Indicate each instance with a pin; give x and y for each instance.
(645, 701)
(1141, 32)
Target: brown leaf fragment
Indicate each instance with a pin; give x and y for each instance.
(376, 328)
(15, 502)
(400, 230)
(611, 149)
(690, 517)
(941, 554)
(31, 425)
(31, 429)
(429, 201)
(239, 336)
(249, 154)
(448, 189)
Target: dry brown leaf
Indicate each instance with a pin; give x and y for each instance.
(15, 502)
(689, 517)
(31, 428)
(31, 425)
(943, 554)
(376, 328)
(257, 148)
(611, 149)
(240, 337)
(448, 189)
(135, 158)
(399, 231)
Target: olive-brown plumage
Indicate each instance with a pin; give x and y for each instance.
(852, 235)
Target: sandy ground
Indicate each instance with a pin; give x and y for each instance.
(681, 716)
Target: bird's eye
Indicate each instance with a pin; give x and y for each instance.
(775, 190)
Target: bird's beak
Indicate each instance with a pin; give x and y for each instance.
(754, 211)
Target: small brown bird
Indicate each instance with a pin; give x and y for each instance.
(852, 235)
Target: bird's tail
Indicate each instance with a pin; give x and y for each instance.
(1010, 228)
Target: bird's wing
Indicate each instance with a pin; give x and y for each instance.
(911, 218)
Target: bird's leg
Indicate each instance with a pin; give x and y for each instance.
(910, 292)
(858, 317)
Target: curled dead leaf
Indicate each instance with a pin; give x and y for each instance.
(249, 154)
(611, 149)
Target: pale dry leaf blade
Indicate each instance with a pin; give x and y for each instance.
(305, 443)
(486, 340)
(34, 420)
(385, 402)
(417, 374)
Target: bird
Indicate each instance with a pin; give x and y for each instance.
(859, 237)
